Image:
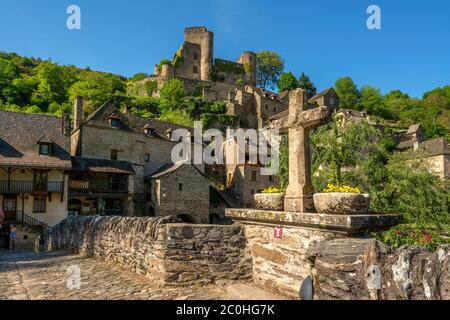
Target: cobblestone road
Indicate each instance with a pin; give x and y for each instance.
(34, 276)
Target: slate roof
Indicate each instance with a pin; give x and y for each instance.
(19, 136)
(435, 147)
(101, 165)
(320, 94)
(169, 168)
(403, 145)
(414, 128)
(131, 122)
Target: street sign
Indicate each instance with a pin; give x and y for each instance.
(278, 232)
(13, 232)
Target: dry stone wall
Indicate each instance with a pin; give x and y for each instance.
(170, 252)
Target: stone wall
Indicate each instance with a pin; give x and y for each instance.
(171, 253)
(279, 264)
(358, 269)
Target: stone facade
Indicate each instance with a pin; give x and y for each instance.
(139, 146)
(183, 191)
(171, 253)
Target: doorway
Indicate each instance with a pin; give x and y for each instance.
(10, 206)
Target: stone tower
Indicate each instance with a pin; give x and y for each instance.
(249, 58)
(205, 39)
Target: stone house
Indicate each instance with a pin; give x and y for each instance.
(113, 152)
(412, 138)
(179, 188)
(328, 97)
(35, 163)
(437, 156)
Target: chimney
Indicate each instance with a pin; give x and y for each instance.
(77, 112)
(65, 124)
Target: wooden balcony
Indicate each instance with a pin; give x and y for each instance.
(97, 186)
(15, 186)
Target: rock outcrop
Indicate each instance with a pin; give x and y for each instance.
(352, 268)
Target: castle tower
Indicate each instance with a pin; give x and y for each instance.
(249, 58)
(205, 39)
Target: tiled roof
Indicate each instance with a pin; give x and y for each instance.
(19, 136)
(101, 165)
(131, 122)
(438, 146)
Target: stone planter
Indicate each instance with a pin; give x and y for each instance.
(342, 203)
(269, 201)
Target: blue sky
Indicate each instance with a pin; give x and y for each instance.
(326, 39)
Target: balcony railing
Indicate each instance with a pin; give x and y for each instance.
(20, 217)
(15, 186)
(96, 186)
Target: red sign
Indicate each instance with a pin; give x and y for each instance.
(278, 232)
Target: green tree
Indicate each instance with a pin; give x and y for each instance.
(305, 83)
(97, 88)
(287, 82)
(269, 67)
(348, 92)
(50, 83)
(138, 76)
(171, 94)
(372, 101)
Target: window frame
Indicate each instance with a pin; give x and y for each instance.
(116, 152)
(41, 206)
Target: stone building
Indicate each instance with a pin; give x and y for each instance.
(245, 178)
(437, 156)
(113, 152)
(412, 138)
(179, 188)
(215, 79)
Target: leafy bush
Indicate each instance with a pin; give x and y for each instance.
(411, 234)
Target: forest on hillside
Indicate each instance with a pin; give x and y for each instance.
(41, 86)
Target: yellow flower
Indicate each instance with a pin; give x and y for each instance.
(342, 189)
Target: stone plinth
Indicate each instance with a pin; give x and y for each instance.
(346, 224)
(278, 241)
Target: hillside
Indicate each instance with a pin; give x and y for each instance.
(41, 86)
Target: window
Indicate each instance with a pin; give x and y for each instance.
(114, 154)
(253, 175)
(271, 178)
(180, 187)
(115, 123)
(275, 109)
(195, 55)
(332, 101)
(147, 158)
(44, 149)
(40, 181)
(267, 107)
(39, 204)
(195, 69)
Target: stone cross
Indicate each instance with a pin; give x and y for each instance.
(298, 124)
